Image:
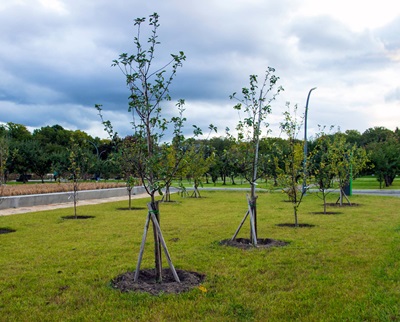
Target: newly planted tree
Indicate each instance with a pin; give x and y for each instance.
(348, 161)
(288, 177)
(255, 104)
(148, 83)
(196, 164)
(322, 170)
(77, 160)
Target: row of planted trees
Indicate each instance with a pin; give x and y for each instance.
(146, 159)
(156, 164)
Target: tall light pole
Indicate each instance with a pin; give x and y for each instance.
(305, 144)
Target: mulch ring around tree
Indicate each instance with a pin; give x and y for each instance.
(147, 282)
(4, 230)
(294, 226)
(77, 217)
(245, 243)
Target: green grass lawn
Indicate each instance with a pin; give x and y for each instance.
(365, 182)
(370, 182)
(347, 267)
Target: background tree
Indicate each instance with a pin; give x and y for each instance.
(39, 159)
(254, 102)
(149, 84)
(288, 177)
(3, 159)
(385, 158)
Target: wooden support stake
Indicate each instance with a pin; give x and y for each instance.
(171, 266)
(139, 262)
(240, 226)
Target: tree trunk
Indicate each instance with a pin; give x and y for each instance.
(157, 245)
(296, 222)
(75, 199)
(130, 198)
(253, 211)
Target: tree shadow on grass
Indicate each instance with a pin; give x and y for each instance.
(333, 204)
(77, 217)
(328, 213)
(5, 230)
(245, 243)
(291, 225)
(132, 208)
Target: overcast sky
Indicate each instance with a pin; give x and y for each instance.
(56, 55)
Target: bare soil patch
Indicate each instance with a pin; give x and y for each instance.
(245, 243)
(147, 282)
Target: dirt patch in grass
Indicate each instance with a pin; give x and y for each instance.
(294, 226)
(6, 230)
(147, 282)
(245, 243)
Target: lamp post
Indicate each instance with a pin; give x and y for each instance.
(305, 144)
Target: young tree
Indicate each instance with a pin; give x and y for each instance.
(77, 160)
(196, 164)
(149, 84)
(254, 102)
(288, 177)
(348, 161)
(321, 170)
(126, 161)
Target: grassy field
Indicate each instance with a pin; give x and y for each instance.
(346, 267)
(370, 182)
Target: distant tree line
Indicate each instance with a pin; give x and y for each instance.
(219, 159)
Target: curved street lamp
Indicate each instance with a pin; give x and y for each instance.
(305, 144)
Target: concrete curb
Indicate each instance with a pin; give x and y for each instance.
(64, 197)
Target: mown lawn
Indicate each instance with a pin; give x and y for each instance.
(370, 182)
(346, 267)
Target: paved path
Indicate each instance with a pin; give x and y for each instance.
(22, 210)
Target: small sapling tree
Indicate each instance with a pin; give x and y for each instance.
(196, 164)
(348, 161)
(255, 104)
(77, 160)
(288, 177)
(149, 84)
(322, 171)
